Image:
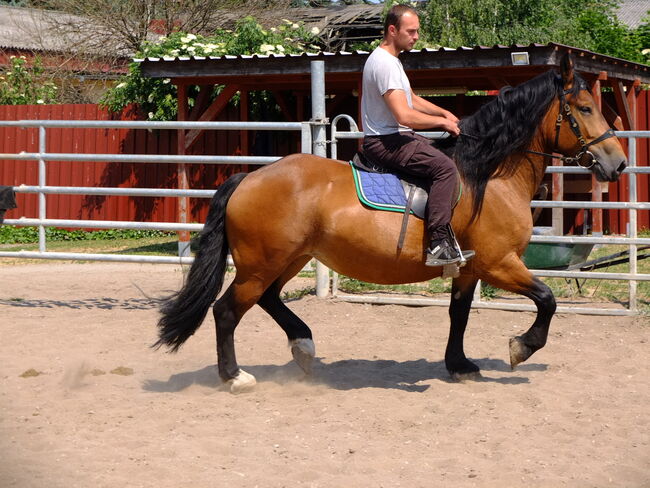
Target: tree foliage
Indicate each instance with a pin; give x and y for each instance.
(124, 25)
(590, 25)
(157, 98)
(21, 84)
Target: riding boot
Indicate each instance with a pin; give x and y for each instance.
(443, 248)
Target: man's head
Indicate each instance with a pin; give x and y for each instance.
(401, 27)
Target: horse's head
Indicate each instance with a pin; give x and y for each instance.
(581, 129)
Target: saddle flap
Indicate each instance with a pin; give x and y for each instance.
(385, 191)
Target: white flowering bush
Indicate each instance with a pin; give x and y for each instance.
(21, 84)
(157, 97)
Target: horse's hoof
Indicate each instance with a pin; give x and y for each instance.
(303, 351)
(463, 370)
(241, 383)
(470, 376)
(519, 351)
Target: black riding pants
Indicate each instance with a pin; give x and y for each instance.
(413, 154)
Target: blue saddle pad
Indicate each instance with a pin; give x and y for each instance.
(382, 191)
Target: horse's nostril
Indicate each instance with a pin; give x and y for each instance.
(621, 167)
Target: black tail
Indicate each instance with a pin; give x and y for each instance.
(183, 312)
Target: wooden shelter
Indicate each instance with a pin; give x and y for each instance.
(441, 71)
(448, 73)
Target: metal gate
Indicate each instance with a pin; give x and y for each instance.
(632, 240)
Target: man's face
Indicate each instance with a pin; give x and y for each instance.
(408, 32)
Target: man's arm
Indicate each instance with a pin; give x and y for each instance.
(420, 119)
(427, 107)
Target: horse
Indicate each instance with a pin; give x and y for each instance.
(276, 219)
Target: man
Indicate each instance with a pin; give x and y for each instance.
(391, 112)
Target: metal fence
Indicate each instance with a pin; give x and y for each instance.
(307, 142)
(42, 189)
(632, 240)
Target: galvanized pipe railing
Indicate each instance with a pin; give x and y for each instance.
(632, 239)
(43, 157)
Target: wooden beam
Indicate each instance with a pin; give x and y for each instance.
(182, 178)
(284, 106)
(243, 115)
(632, 96)
(201, 101)
(623, 106)
(335, 104)
(212, 112)
(596, 188)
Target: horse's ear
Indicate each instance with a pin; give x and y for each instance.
(566, 69)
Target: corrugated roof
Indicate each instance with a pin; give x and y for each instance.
(478, 67)
(632, 12)
(415, 52)
(31, 30)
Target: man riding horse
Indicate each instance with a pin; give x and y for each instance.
(390, 111)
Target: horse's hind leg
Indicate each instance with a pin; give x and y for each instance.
(462, 293)
(228, 311)
(298, 333)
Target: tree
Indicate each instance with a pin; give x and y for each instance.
(121, 26)
(21, 84)
(591, 25)
(158, 98)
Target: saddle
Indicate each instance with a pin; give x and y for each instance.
(381, 190)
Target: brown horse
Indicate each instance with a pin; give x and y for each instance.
(276, 219)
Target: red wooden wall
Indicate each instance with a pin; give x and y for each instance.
(619, 191)
(114, 141)
(137, 175)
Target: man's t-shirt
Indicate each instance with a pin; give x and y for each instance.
(382, 72)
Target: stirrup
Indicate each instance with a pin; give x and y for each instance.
(464, 255)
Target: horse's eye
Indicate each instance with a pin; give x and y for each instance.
(585, 110)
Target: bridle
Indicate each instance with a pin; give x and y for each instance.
(565, 111)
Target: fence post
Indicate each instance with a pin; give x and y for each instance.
(319, 123)
(42, 182)
(182, 178)
(633, 231)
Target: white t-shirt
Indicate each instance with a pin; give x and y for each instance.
(382, 72)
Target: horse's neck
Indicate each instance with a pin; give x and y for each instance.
(531, 167)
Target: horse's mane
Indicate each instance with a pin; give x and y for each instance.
(502, 127)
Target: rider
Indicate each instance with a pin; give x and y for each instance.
(390, 111)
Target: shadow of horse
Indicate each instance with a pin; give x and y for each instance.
(350, 374)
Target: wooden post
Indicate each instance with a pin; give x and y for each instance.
(243, 115)
(182, 179)
(596, 186)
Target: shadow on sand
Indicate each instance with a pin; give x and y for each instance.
(351, 374)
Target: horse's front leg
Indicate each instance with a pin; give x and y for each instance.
(513, 276)
(523, 346)
(462, 293)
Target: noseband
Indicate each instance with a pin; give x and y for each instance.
(565, 110)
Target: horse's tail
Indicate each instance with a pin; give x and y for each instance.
(184, 311)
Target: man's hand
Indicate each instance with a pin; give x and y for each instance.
(451, 126)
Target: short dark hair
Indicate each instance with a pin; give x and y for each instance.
(394, 16)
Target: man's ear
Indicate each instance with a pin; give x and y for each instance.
(567, 72)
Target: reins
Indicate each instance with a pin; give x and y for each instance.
(573, 123)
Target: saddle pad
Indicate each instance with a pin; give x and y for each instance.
(381, 191)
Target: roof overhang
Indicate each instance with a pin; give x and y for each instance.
(477, 68)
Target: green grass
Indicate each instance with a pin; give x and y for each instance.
(164, 243)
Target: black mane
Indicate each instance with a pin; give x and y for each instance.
(504, 126)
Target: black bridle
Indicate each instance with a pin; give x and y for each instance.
(565, 110)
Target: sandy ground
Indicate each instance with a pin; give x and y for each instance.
(85, 402)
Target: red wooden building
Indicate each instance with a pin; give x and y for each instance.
(447, 74)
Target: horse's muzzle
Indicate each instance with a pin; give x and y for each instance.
(604, 173)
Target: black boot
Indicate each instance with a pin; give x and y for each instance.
(441, 252)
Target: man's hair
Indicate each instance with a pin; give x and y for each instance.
(394, 16)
